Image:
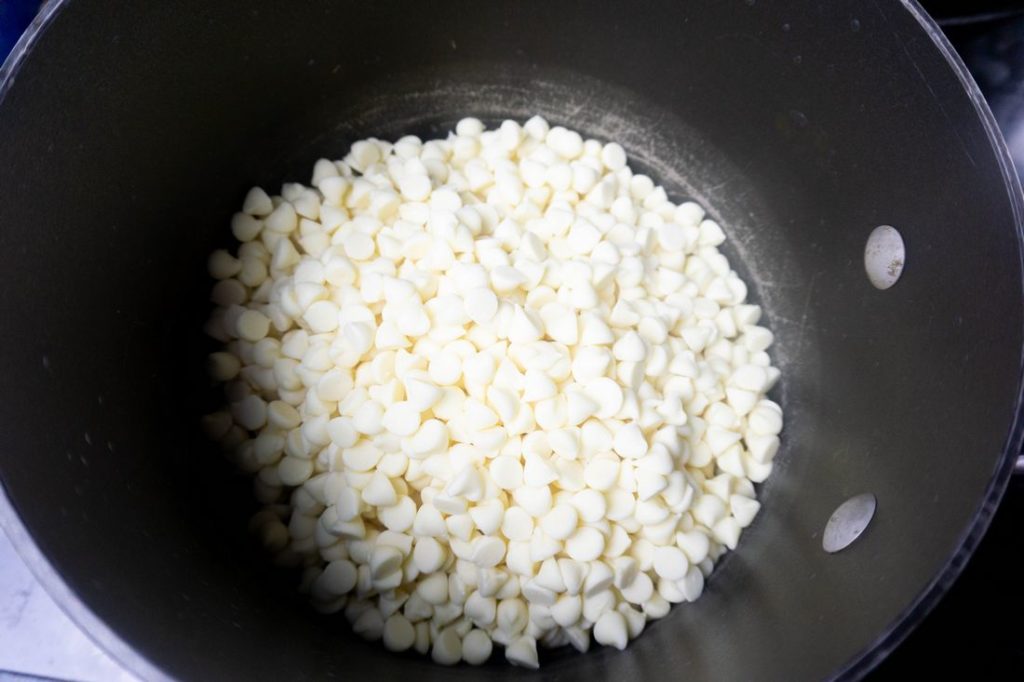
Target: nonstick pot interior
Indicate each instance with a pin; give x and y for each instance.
(131, 133)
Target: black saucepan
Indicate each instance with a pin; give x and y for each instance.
(129, 133)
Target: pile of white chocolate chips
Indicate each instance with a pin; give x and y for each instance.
(494, 388)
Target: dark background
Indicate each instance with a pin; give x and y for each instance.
(974, 629)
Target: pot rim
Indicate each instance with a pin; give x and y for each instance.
(857, 666)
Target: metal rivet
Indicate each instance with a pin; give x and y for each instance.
(884, 256)
(848, 521)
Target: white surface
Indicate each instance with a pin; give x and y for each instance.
(37, 638)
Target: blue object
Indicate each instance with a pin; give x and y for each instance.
(15, 15)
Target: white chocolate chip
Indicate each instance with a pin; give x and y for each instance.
(476, 647)
(522, 651)
(611, 630)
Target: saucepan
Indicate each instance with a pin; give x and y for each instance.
(131, 131)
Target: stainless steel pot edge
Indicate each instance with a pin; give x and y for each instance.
(903, 625)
